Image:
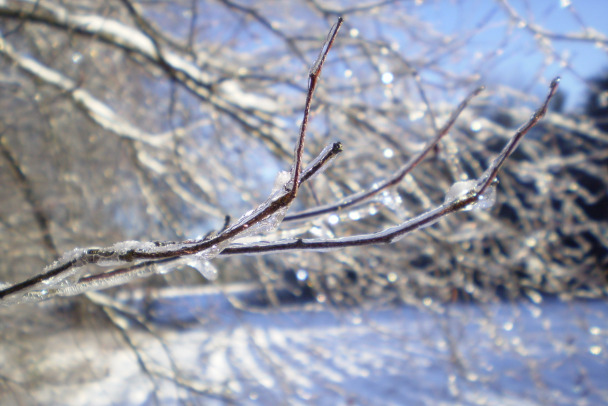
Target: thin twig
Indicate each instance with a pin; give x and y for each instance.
(314, 74)
(516, 139)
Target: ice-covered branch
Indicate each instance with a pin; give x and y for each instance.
(492, 171)
(63, 277)
(313, 78)
(66, 276)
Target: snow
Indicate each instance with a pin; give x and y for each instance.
(494, 354)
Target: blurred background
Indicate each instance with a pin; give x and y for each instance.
(154, 120)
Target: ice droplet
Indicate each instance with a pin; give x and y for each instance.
(387, 78)
(459, 189)
(354, 215)
(467, 188)
(302, 275)
(333, 219)
(485, 201)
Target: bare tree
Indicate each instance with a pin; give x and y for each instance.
(150, 128)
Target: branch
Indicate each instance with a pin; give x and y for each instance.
(265, 217)
(492, 171)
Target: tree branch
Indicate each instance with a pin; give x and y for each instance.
(66, 275)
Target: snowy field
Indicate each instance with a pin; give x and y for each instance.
(203, 350)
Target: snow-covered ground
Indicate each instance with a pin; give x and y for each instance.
(205, 350)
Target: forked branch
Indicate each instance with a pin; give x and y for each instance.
(276, 206)
(462, 202)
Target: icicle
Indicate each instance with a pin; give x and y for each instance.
(203, 265)
(201, 262)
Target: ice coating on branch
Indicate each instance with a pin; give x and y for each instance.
(101, 283)
(281, 182)
(122, 248)
(77, 256)
(72, 280)
(467, 188)
(28, 297)
(315, 162)
(459, 189)
(272, 222)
